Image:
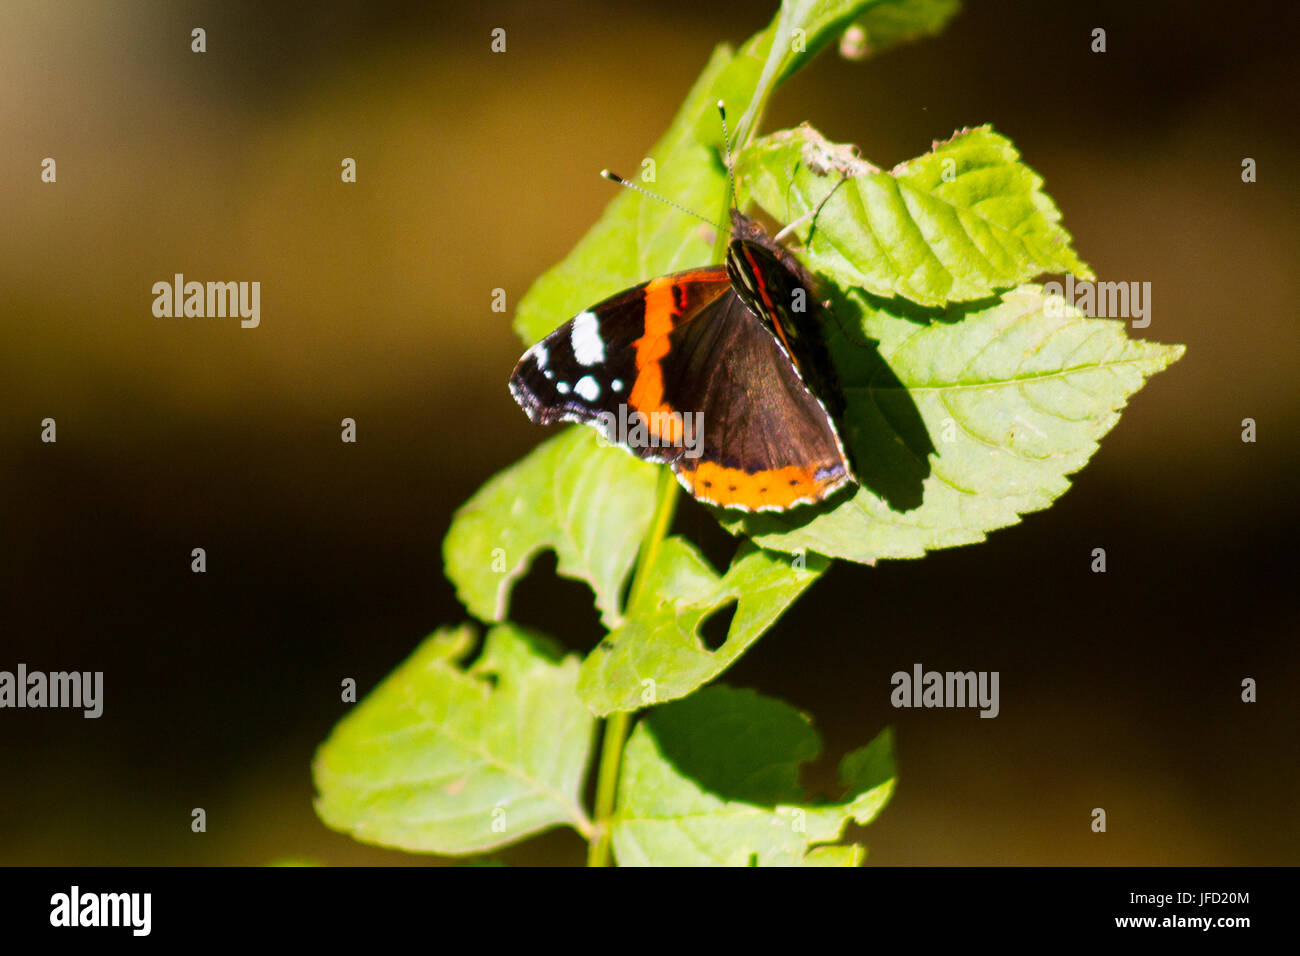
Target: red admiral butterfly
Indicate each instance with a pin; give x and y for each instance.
(719, 372)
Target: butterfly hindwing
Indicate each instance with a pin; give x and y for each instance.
(768, 442)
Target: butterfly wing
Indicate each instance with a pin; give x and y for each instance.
(604, 364)
(768, 442)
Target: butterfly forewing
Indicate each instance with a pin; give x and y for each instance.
(603, 364)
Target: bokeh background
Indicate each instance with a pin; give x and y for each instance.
(478, 171)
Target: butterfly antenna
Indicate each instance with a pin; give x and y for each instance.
(616, 178)
(810, 214)
(726, 148)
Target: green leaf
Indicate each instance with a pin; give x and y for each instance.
(591, 504)
(445, 759)
(801, 30)
(712, 780)
(963, 422)
(657, 654)
(895, 22)
(835, 855)
(960, 223)
(636, 238)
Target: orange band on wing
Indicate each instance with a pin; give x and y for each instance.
(647, 395)
(778, 488)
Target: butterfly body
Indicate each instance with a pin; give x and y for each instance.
(720, 372)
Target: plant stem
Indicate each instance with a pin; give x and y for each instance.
(611, 756)
(665, 506)
(616, 725)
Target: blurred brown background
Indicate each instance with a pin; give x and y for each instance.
(476, 171)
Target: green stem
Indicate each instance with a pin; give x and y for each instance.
(616, 725)
(611, 757)
(665, 506)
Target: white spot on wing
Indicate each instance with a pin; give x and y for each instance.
(562, 388)
(587, 388)
(588, 347)
(541, 356)
(617, 385)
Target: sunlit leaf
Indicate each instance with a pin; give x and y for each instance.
(657, 654)
(447, 759)
(960, 223)
(713, 780)
(894, 22)
(591, 504)
(961, 424)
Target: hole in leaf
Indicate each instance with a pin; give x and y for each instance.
(699, 525)
(564, 609)
(716, 624)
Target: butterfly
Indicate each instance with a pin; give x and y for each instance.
(720, 372)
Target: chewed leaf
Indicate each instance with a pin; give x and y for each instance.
(960, 223)
(657, 654)
(712, 780)
(445, 759)
(959, 426)
(591, 504)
